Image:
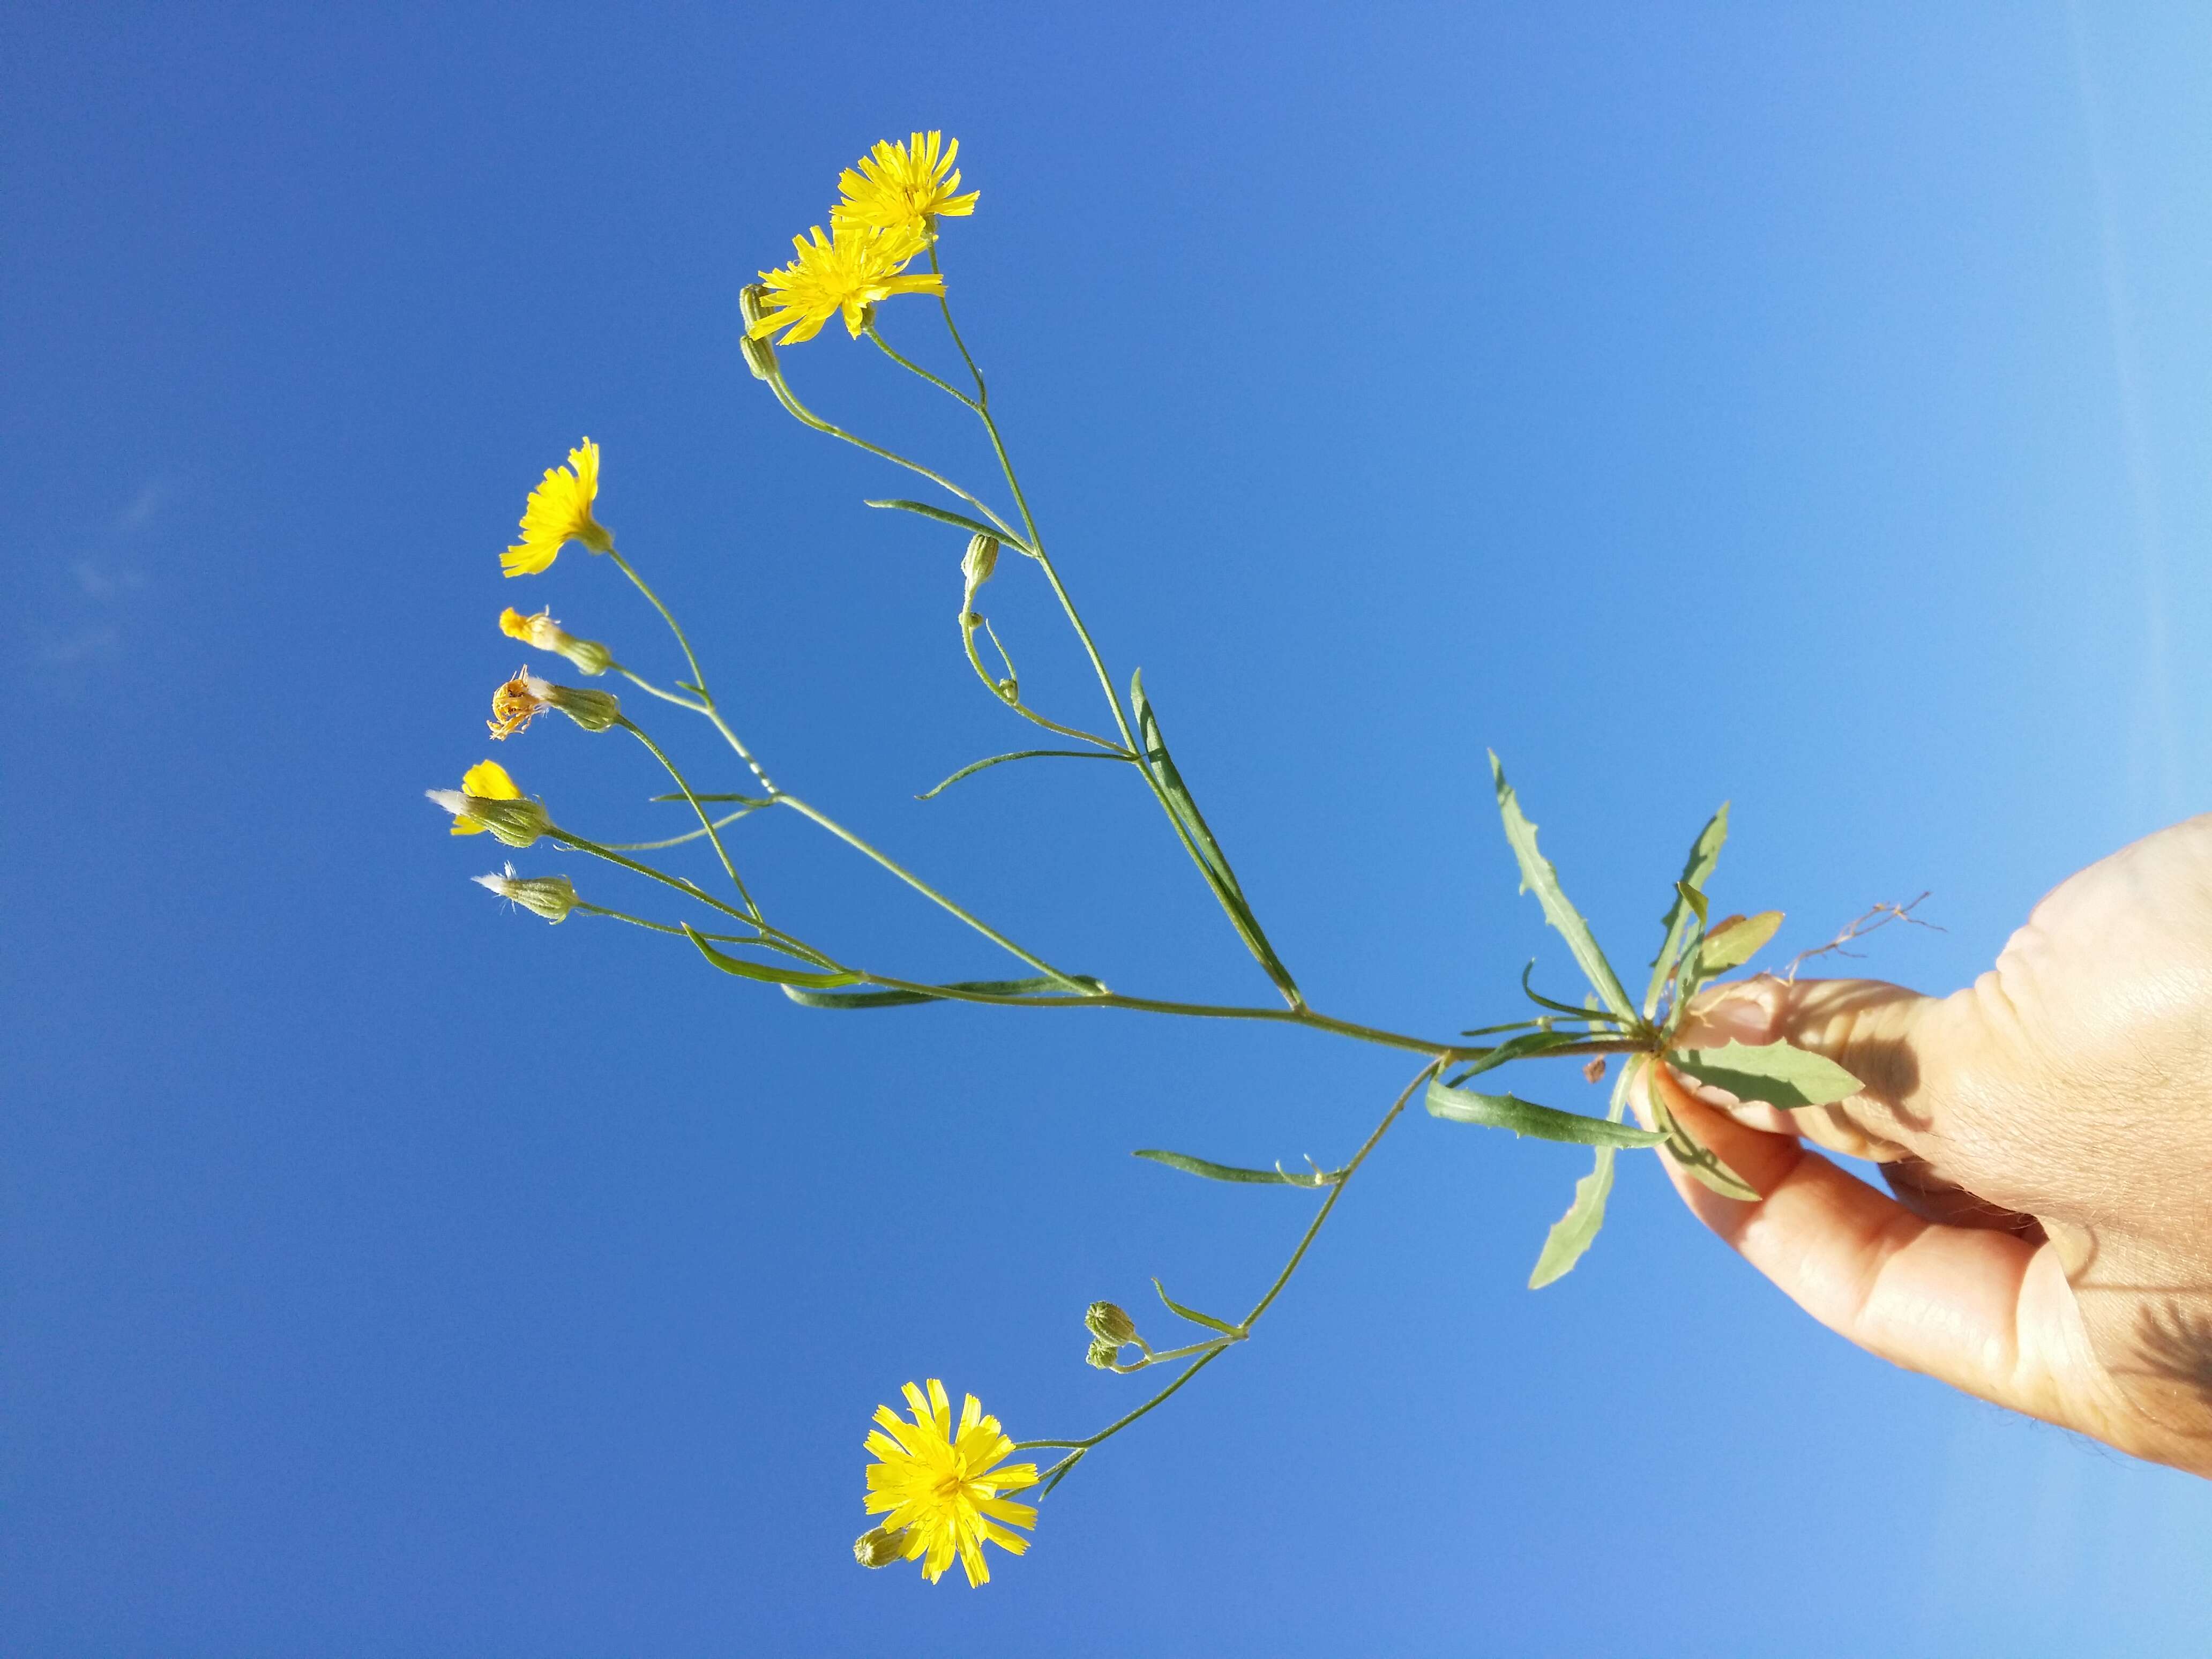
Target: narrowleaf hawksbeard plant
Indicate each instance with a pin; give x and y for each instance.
(943, 1488)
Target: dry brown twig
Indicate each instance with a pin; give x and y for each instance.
(1875, 919)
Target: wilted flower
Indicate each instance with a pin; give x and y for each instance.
(549, 896)
(524, 698)
(544, 634)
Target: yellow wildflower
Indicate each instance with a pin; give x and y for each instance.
(544, 634)
(937, 1487)
(559, 511)
(485, 781)
(847, 272)
(903, 186)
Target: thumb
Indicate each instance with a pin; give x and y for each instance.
(1883, 1035)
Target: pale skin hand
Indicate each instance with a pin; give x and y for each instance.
(2047, 1135)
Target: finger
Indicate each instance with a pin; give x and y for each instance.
(1932, 1198)
(1942, 1300)
(1879, 1033)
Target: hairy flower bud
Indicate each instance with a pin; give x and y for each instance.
(1109, 1324)
(1103, 1354)
(549, 896)
(595, 711)
(978, 564)
(881, 1547)
(544, 634)
(516, 823)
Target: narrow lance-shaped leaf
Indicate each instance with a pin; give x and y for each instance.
(1697, 870)
(996, 988)
(1698, 1159)
(1212, 1171)
(963, 521)
(1538, 876)
(1574, 1232)
(1529, 1045)
(1772, 1073)
(1197, 839)
(1192, 1314)
(1525, 1117)
(974, 767)
(787, 977)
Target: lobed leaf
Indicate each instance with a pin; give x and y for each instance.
(1538, 876)
(1575, 1231)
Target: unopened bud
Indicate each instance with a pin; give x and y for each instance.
(549, 896)
(546, 634)
(760, 357)
(978, 564)
(752, 304)
(881, 1547)
(595, 711)
(516, 823)
(1109, 1324)
(1103, 1354)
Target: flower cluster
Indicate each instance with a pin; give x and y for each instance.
(884, 219)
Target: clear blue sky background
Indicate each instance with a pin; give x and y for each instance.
(1691, 402)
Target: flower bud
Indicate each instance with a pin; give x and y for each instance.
(546, 634)
(1109, 1324)
(549, 896)
(760, 357)
(595, 711)
(1103, 1354)
(752, 304)
(978, 564)
(516, 823)
(881, 1547)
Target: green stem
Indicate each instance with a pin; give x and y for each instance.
(806, 416)
(768, 937)
(922, 887)
(690, 889)
(678, 841)
(1077, 1448)
(706, 824)
(982, 393)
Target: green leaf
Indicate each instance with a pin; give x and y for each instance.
(1700, 1160)
(1212, 1171)
(1198, 840)
(1697, 870)
(1736, 941)
(1538, 876)
(974, 767)
(1525, 1117)
(944, 517)
(1772, 1073)
(1192, 1314)
(783, 977)
(996, 988)
(1528, 1046)
(1575, 1231)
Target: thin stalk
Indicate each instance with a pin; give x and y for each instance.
(698, 679)
(706, 824)
(768, 937)
(806, 416)
(925, 889)
(1076, 1448)
(982, 393)
(884, 346)
(678, 841)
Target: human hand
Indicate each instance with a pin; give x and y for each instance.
(2046, 1134)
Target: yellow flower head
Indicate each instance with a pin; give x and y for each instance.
(903, 186)
(939, 1487)
(516, 704)
(559, 511)
(485, 781)
(848, 272)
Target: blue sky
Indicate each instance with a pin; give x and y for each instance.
(1691, 403)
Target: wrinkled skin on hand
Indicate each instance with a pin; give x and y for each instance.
(2047, 1138)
